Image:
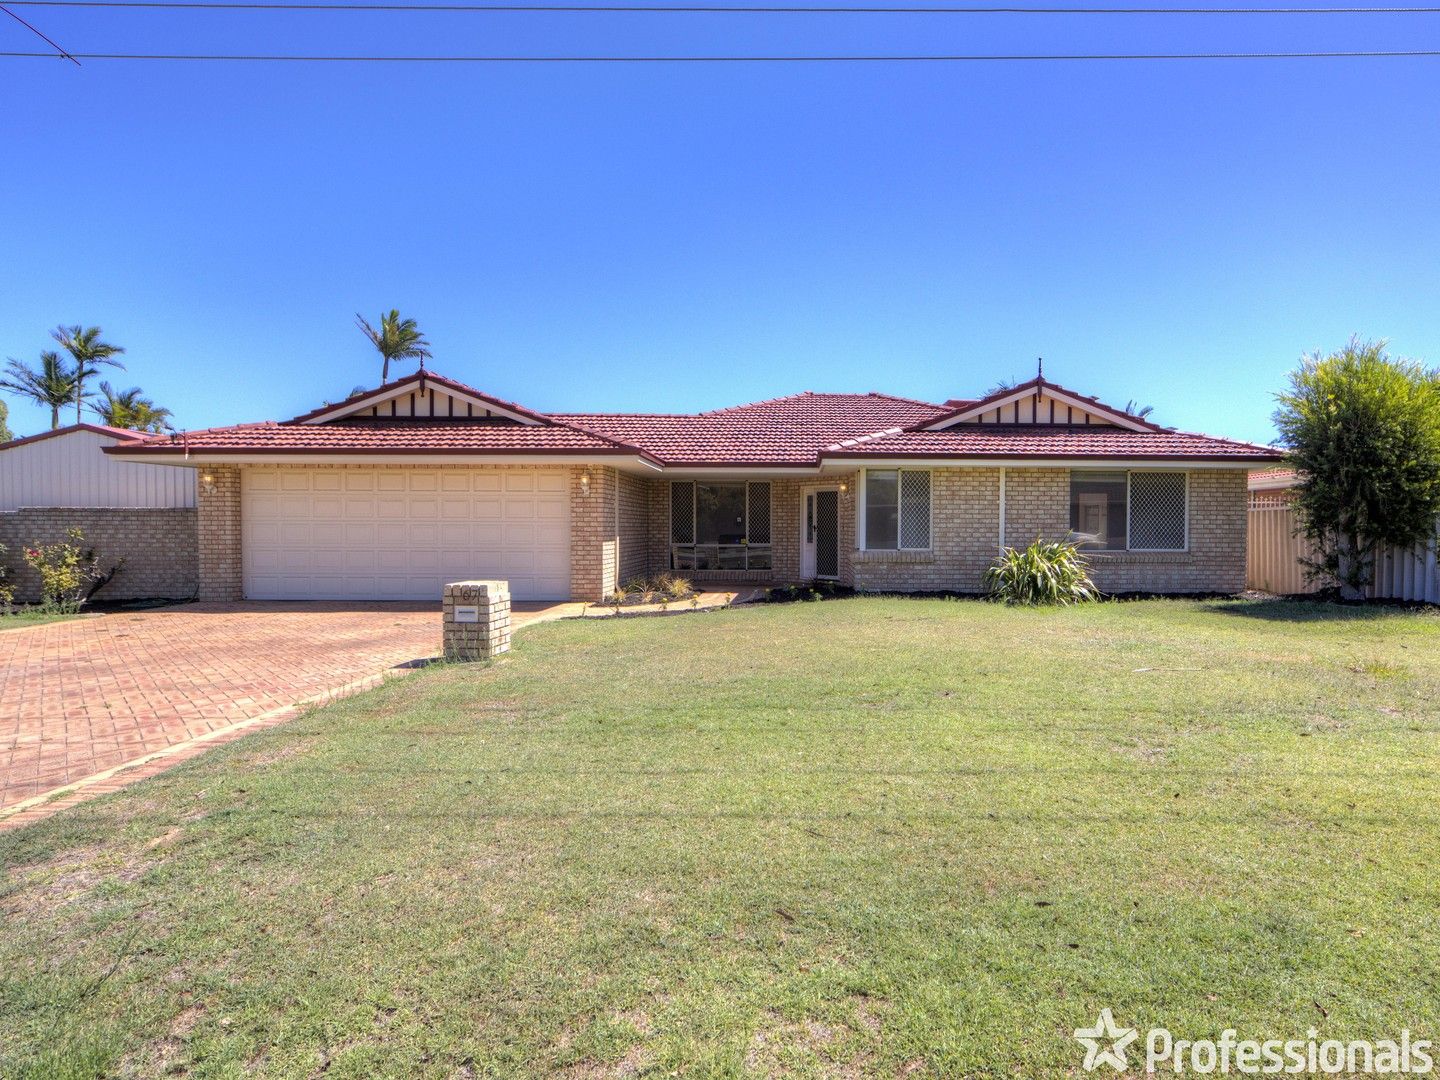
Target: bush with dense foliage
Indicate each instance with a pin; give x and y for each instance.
(1363, 432)
(68, 571)
(1046, 572)
(7, 591)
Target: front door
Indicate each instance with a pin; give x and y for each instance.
(820, 551)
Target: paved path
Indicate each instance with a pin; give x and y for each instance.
(102, 702)
(86, 695)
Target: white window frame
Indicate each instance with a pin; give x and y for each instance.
(862, 540)
(1129, 473)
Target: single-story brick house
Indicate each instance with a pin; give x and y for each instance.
(424, 480)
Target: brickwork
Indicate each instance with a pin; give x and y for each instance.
(620, 530)
(489, 633)
(217, 503)
(594, 543)
(158, 547)
(634, 525)
(1037, 506)
(657, 528)
(964, 538)
(1215, 562)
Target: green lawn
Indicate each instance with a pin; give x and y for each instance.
(20, 617)
(860, 837)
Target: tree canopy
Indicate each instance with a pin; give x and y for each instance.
(1363, 432)
(396, 339)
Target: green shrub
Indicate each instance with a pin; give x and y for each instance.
(7, 591)
(1046, 572)
(1363, 432)
(68, 571)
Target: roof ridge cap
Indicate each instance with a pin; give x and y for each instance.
(872, 437)
(752, 404)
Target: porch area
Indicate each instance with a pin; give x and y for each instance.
(729, 533)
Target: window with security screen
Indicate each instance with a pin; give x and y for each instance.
(1157, 511)
(1129, 511)
(682, 512)
(897, 509)
(723, 525)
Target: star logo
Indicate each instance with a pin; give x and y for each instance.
(1106, 1031)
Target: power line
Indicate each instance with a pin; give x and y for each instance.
(953, 59)
(62, 53)
(715, 9)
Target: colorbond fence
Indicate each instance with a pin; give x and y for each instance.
(1274, 553)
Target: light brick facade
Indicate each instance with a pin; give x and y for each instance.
(620, 531)
(965, 534)
(158, 547)
(488, 633)
(217, 504)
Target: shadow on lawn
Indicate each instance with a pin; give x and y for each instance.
(1283, 609)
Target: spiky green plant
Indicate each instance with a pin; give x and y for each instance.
(1048, 572)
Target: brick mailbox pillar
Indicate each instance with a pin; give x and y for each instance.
(477, 619)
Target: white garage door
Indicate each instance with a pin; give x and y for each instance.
(401, 534)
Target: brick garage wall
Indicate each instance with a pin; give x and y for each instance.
(1215, 562)
(218, 510)
(964, 538)
(594, 546)
(634, 527)
(594, 543)
(158, 545)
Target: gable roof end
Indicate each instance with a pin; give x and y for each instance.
(385, 392)
(1037, 386)
(70, 429)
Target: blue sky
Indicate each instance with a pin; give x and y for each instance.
(677, 238)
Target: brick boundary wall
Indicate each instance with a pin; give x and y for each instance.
(158, 544)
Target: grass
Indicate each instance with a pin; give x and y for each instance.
(863, 837)
(33, 616)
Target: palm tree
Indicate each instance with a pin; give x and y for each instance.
(127, 409)
(397, 339)
(1135, 409)
(89, 352)
(50, 386)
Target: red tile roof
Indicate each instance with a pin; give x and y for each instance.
(796, 431)
(389, 436)
(1273, 478)
(782, 431)
(1047, 441)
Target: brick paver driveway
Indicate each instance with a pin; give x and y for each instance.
(85, 695)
